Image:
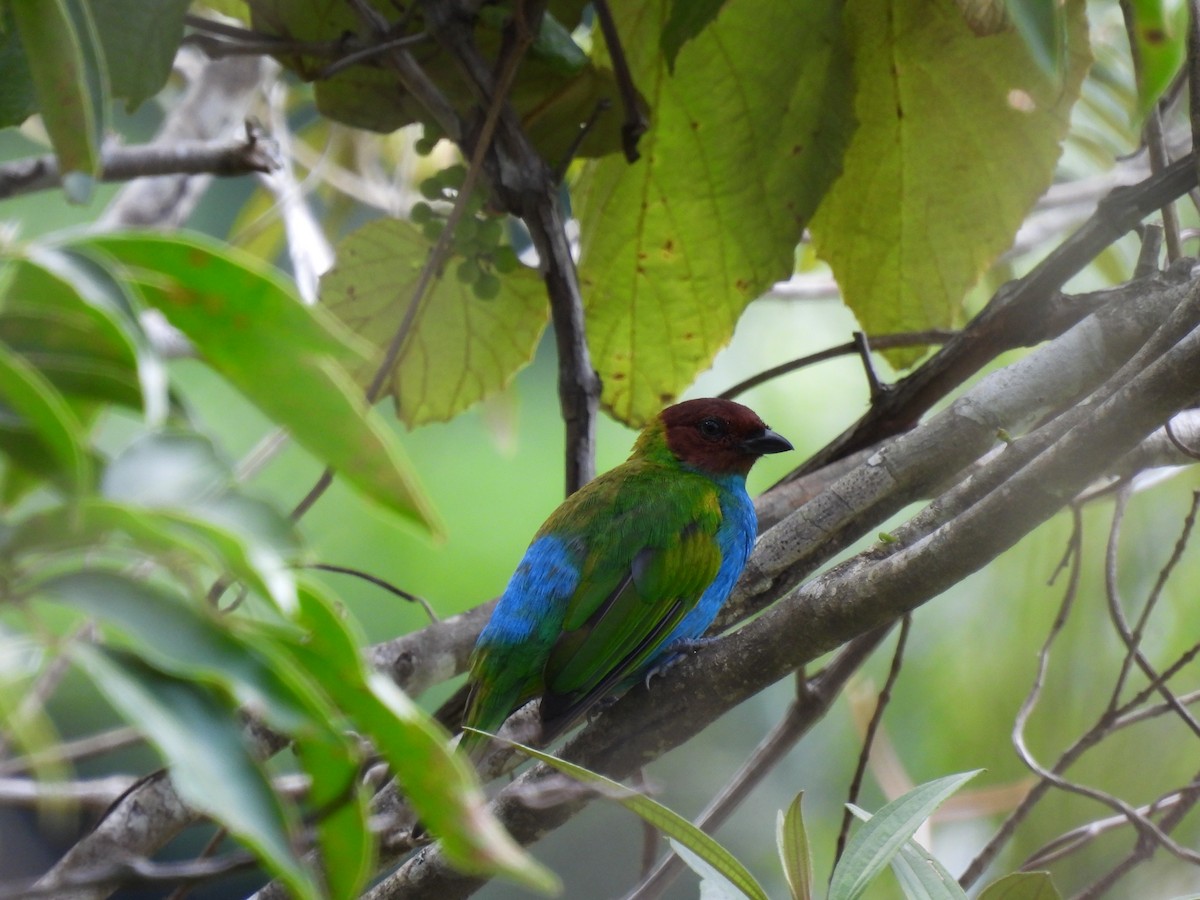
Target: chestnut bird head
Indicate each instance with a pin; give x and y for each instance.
(718, 437)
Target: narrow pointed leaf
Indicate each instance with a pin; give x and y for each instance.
(184, 640)
(791, 837)
(874, 845)
(665, 820)
(922, 877)
(743, 143)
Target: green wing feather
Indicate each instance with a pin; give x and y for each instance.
(645, 568)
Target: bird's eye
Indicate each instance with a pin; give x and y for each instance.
(712, 428)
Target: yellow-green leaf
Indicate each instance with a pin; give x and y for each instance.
(744, 141)
(461, 348)
(958, 135)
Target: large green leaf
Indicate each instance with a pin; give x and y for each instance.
(438, 782)
(70, 79)
(743, 143)
(210, 765)
(288, 359)
(876, 844)
(958, 136)
(661, 817)
(461, 348)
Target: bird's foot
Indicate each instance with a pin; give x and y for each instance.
(675, 652)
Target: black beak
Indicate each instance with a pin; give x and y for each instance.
(767, 442)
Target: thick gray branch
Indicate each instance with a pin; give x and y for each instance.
(972, 524)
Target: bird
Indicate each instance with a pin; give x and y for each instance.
(626, 574)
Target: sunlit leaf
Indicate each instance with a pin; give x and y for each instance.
(791, 838)
(439, 783)
(876, 843)
(211, 768)
(287, 358)
(688, 18)
(958, 136)
(461, 348)
(744, 141)
(665, 820)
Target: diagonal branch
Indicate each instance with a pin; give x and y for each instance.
(972, 524)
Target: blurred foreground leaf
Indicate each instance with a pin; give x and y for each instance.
(288, 359)
(665, 820)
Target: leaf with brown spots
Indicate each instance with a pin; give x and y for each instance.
(709, 218)
(930, 196)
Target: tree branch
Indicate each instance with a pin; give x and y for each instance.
(1021, 313)
(955, 536)
(254, 153)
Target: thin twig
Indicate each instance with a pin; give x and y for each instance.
(877, 342)
(1132, 637)
(635, 120)
(73, 751)
(864, 756)
(1008, 827)
(378, 582)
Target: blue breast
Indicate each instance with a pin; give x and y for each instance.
(739, 527)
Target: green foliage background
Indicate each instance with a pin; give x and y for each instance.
(491, 474)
